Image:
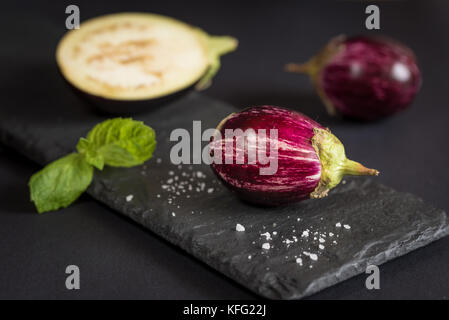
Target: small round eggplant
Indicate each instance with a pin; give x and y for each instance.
(363, 77)
(130, 62)
(309, 160)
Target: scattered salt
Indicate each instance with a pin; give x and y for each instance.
(312, 256)
(347, 226)
(299, 261)
(338, 224)
(266, 246)
(129, 198)
(321, 246)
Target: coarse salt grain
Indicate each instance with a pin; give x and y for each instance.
(299, 261)
(239, 227)
(129, 198)
(347, 226)
(338, 224)
(266, 246)
(266, 235)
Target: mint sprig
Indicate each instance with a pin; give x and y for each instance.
(116, 142)
(60, 183)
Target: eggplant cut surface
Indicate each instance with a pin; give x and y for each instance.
(137, 56)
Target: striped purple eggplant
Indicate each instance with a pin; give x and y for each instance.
(308, 159)
(363, 77)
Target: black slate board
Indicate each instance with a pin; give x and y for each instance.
(377, 223)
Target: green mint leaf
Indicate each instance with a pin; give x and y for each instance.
(60, 183)
(121, 142)
(83, 145)
(92, 157)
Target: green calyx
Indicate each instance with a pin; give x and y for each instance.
(334, 164)
(314, 66)
(216, 46)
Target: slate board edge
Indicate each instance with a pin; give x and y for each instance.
(100, 193)
(386, 256)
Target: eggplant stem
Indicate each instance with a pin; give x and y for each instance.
(298, 68)
(356, 169)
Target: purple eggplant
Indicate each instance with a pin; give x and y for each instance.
(309, 159)
(363, 77)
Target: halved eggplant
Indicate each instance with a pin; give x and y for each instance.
(128, 62)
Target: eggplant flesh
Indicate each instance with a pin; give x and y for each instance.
(128, 62)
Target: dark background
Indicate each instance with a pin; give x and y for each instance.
(119, 259)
